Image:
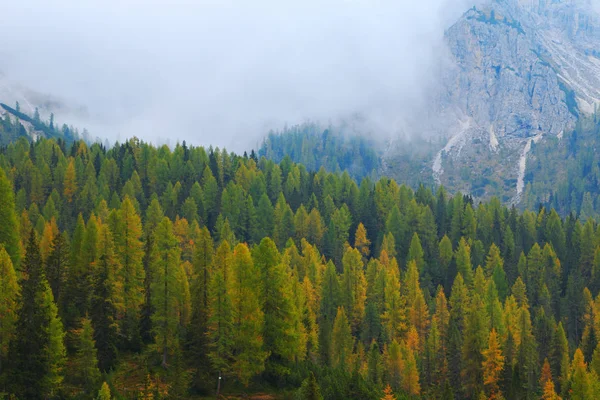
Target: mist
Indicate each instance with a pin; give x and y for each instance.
(223, 72)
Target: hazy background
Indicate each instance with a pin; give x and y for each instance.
(224, 72)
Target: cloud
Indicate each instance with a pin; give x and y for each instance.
(224, 72)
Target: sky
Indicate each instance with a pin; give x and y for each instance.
(224, 72)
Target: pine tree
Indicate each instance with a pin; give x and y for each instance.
(168, 291)
(445, 256)
(394, 314)
(87, 374)
(9, 298)
(9, 234)
(342, 342)
(549, 393)
(57, 269)
(354, 287)
(580, 387)
(104, 392)
(361, 242)
(310, 389)
(36, 354)
(492, 366)
(415, 252)
(559, 357)
(462, 257)
(388, 394)
(374, 364)
(103, 314)
(247, 315)
(280, 338)
(220, 321)
(70, 182)
(129, 251)
(55, 351)
(330, 301)
(473, 346)
(410, 373)
(201, 278)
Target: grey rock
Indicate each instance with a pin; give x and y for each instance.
(516, 71)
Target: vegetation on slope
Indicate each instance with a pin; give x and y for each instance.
(182, 266)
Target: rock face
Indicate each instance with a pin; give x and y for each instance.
(517, 71)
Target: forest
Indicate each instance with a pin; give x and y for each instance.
(334, 148)
(142, 272)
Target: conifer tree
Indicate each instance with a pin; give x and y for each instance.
(87, 374)
(445, 256)
(342, 342)
(330, 301)
(354, 287)
(394, 315)
(410, 374)
(462, 257)
(415, 252)
(9, 298)
(37, 353)
(104, 392)
(474, 344)
(70, 182)
(310, 389)
(201, 278)
(55, 351)
(374, 364)
(442, 318)
(248, 317)
(559, 357)
(362, 242)
(220, 321)
(493, 363)
(388, 393)
(280, 339)
(103, 313)
(129, 251)
(168, 287)
(9, 234)
(580, 386)
(57, 269)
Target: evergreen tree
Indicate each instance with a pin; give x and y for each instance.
(104, 392)
(220, 321)
(37, 353)
(492, 366)
(103, 314)
(249, 355)
(57, 269)
(168, 291)
(342, 342)
(9, 298)
(309, 390)
(9, 234)
(87, 374)
(201, 279)
(129, 251)
(280, 339)
(354, 287)
(462, 257)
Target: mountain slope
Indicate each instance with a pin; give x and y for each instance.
(518, 72)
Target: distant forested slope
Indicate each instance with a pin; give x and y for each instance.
(564, 173)
(316, 147)
(14, 123)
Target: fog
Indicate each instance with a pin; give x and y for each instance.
(222, 72)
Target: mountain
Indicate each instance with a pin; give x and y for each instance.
(516, 73)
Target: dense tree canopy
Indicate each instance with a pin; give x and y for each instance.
(157, 270)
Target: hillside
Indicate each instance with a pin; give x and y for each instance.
(157, 271)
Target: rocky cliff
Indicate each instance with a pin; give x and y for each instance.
(517, 71)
